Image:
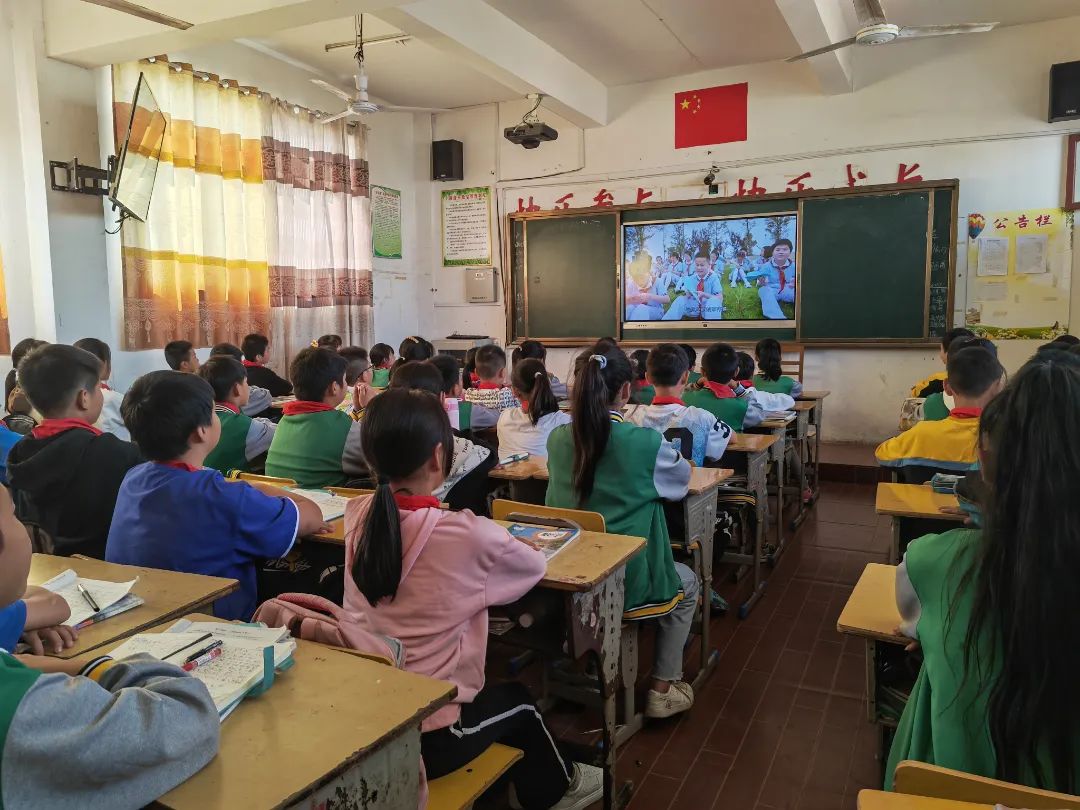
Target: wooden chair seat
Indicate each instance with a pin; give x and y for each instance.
(921, 779)
(588, 521)
(236, 475)
(458, 790)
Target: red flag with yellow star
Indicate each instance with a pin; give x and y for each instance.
(711, 115)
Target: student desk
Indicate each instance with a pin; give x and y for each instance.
(168, 596)
(880, 800)
(778, 428)
(915, 510)
(334, 729)
(577, 610)
(816, 414)
(871, 614)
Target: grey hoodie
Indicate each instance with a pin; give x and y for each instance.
(120, 741)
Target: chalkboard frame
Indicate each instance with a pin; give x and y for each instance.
(951, 185)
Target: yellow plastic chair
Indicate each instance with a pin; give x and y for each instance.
(921, 779)
(350, 492)
(236, 475)
(588, 521)
(459, 789)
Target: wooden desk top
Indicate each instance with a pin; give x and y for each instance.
(879, 800)
(871, 609)
(915, 501)
(320, 717)
(704, 478)
(805, 405)
(752, 442)
(701, 478)
(168, 595)
(814, 394)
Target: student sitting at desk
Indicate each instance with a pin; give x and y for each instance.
(358, 376)
(939, 405)
(491, 389)
(66, 474)
(174, 513)
(716, 394)
(413, 349)
(770, 377)
(20, 416)
(469, 415)
(641, 390)
(691, 358)
(935, 383)
(668, 370)
(121, 734)
(604, 464)
(994, 610)
(256, 349)
(110, 420)
(535, 350)
(427, 577)
(259, 403)
(243, 439)
(381, 357)
(180, 356)
(949, 445)
(744, 387)
(525, 429)
(315, 444)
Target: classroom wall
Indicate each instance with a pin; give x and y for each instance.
(973, 108)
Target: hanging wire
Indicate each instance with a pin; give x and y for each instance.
(529, 118)
(358, 37)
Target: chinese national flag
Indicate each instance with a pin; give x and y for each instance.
(711, 115)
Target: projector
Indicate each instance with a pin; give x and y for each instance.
(530, 135)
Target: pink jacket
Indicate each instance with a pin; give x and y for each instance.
(454, 566)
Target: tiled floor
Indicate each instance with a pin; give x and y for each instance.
(782, 723)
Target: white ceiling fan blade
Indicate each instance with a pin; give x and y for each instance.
(337, 117)
(337, 91)
(920, 31)
(827, 49)
(395, 108)
(869, 12)
(142, 12)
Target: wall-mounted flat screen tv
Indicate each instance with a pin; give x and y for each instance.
(136, 168)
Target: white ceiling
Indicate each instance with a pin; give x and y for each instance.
(617, 41)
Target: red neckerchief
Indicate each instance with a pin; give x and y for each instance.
(299, 406)
(251, 364)
(410, 503)
(488, 386)
(178, 465)
(667, 401)
(639, 384)
(525, 406)
(475, 378)
(966, 413)
(746, 383)
(54, 427)
(701, 284)
(783, 275)
(104, 386)
(720, 390)
(227, 406)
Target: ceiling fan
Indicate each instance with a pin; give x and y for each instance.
(135, 10)
(359, 104)
(875, 29)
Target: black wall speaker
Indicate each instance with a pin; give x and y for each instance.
(1064, 91)
(446, 163)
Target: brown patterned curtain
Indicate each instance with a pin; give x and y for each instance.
(315, 183)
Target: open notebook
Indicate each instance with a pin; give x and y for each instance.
(111, 598)
(249, 656)
(786, 416)
(332, 506)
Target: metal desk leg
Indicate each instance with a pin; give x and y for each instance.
(756, 468)
(819, 407)
(699, 513)
(894, 549)
(778, 548)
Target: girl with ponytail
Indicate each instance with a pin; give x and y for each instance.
(525, 429)
(604, 464)
(413, 349)
(770, 377)
(427, 576)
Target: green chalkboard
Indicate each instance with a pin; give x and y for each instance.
(864, 271)
(568, 276)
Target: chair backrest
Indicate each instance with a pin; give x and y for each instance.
(589, 521)
(683, 440)
(350, 492)
(920, 779)
(236, 475)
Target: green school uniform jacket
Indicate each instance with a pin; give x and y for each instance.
(644, 395)
(785, 385)
(934, 408)
(637, 471)
(693, 378)
(317, 448)
(729, 410)
(231, 450)
(380, 378)
(946, 718)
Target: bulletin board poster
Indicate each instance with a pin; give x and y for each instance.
(1019, 270)
(466, 227)
(386, 222)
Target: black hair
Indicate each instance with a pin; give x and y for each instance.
(972, 371)
(413, 349)
(99, 348)
(779, 242)
(719, 363)
(402, 428)
(52, 375)
(418, 376)
(254, 345)
(380, 353)
(639, 359)
(768, 354)
(969, 343)
(1060, 343)
(468, 368)
(228, 350)
(222, 373)
(356, 359)
(332, 342)
(604, 345)
(530, 378)
(598, 377)
(953, 334)
(490, 360)
(691, 354)
(533, 349)
(746, 367)
(450, 370)
(177, 351)
(18, 352)
(163, 408)
(314, 370)
(667, 364)
(1023, 575)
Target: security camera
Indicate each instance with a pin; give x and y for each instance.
(710, 179)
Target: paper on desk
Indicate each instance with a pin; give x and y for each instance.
(332, 506)
(106, 594)
(226, 630)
